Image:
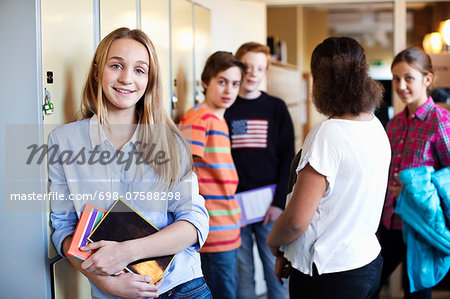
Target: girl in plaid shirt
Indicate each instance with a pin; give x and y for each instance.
(419, 136)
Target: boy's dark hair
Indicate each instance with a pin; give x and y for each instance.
(219, 62)
(341, 83)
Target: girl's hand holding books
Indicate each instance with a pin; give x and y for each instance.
(109, 257)
(130, 285)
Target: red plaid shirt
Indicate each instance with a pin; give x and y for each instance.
(423, 139)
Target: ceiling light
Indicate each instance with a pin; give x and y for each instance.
(432, 42)
(445, 31)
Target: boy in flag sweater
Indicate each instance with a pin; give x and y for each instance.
(262, 145)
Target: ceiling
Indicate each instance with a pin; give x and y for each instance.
(369, 22)
(331, 2)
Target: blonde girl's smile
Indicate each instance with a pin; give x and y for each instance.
(124, 91)
(125, 75)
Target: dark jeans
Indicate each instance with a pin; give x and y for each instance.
(393, 250)
(192, 289)
(353, 284)
(219, 269)
(246, 268)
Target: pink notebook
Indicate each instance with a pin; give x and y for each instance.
(89, 219)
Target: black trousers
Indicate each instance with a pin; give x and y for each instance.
(353, 284)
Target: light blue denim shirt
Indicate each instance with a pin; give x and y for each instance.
(79, 174)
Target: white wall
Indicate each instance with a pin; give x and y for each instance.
(235, 22)
(24, 272)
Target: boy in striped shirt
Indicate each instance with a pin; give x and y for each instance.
(206, 130)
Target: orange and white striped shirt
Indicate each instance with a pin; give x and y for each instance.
(217, 176)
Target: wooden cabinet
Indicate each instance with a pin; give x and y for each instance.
(285, 81)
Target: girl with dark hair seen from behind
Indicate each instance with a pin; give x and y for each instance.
(325, 240)
(419, 136)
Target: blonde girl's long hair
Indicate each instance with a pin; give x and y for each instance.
(156, 126)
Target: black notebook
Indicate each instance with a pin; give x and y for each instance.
(123, 223)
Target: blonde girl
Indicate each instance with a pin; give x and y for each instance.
(132, 150)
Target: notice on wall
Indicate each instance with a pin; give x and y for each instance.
(441, 65)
